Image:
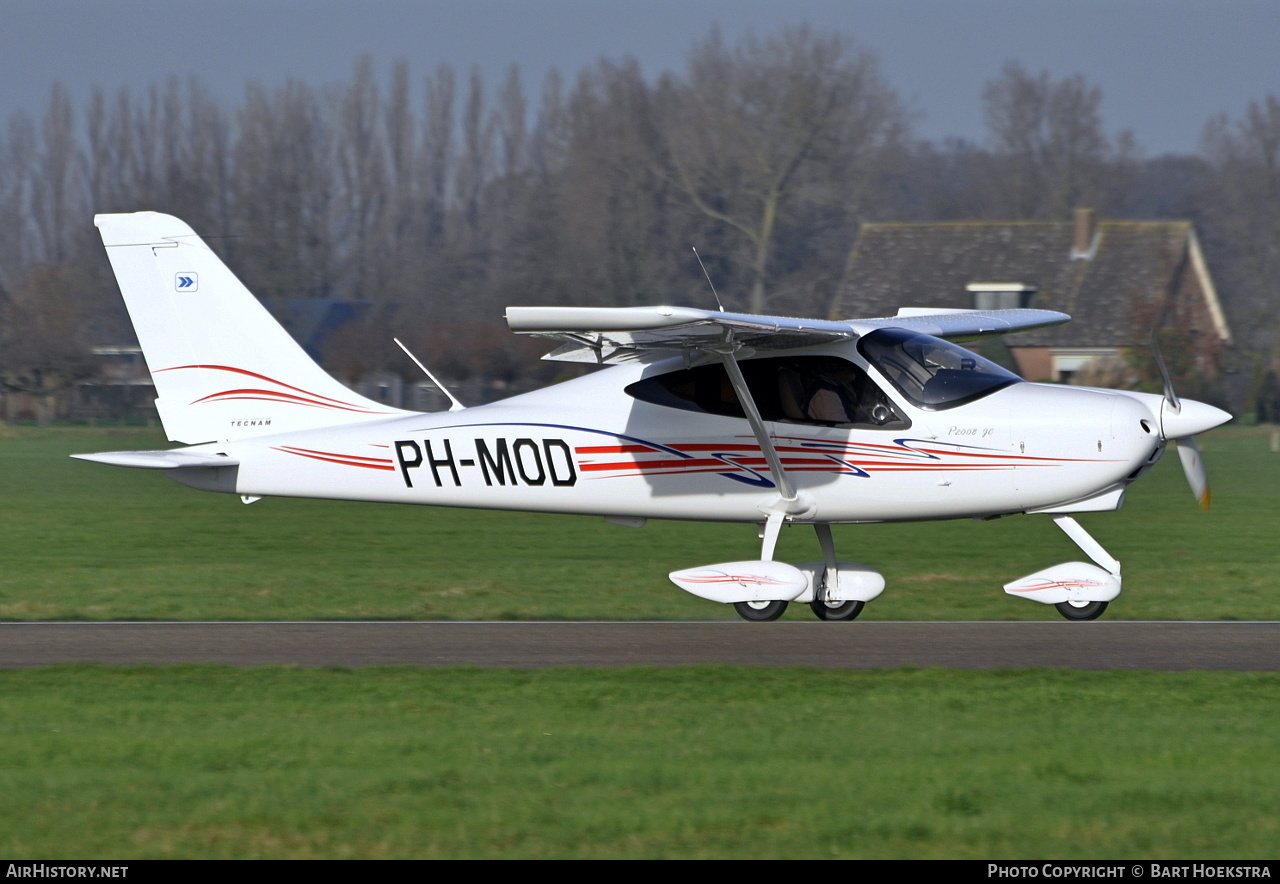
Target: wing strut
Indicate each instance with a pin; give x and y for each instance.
(780, 478)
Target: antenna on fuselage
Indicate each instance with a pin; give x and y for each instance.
(708, 276)
(456, 406)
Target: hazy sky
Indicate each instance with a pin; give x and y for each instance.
(1165, 66)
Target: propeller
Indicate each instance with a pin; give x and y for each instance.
(1193, 467)
(1180, 420)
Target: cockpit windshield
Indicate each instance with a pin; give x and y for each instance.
(934, 374)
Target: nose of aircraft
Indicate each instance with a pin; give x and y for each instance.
(1189, 418)
(1180, 423)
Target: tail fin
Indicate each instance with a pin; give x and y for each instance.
(223, 367)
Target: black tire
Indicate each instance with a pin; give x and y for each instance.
(843, 611)
(1091, 611)
(760, 612)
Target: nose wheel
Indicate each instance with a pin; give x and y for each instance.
(1081, 610)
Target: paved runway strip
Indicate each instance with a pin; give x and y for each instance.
(872, 645)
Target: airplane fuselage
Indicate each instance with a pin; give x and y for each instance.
(584, 446)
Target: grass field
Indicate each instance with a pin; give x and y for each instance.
(713, 762)
(709, 762)
(84, 541)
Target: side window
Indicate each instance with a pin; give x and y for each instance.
(818, 390)
(706, 388)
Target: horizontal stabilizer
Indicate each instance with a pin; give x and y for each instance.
(159, 460)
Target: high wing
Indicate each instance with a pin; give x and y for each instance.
(963, 324)
(621, 334)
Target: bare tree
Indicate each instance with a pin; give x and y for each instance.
(1244, 216)
(56, 197)
(401, 231)
(437, 157)
(41, 353)
(592, 219)
(547, 141)
(208, 159)
(195, 156)
(110, 159)
(755, 129)
(513, 128)
(281, 213)
(17, 165)
(475, 163)
(1049, 149)
(617, 195)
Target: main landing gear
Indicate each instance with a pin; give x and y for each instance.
(761, 611)
(764, 611)
(825, 610)
(761, 590)
(1081, 610)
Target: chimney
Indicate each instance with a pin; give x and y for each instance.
(1082, 243)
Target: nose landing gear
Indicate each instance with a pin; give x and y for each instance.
(1078, 590)
(1081, 610)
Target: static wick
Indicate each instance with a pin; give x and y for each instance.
(708, 276)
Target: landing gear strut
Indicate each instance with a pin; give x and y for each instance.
(823, 606)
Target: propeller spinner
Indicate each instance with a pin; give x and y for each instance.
(1180, 421)
(1180, 424)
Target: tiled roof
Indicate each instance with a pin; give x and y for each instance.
(1112, 297)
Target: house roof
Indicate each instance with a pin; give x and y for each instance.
(1113, 294)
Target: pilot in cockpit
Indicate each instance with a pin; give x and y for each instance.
(814, 396)
(829, 400)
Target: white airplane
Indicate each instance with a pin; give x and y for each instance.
(705, 415)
